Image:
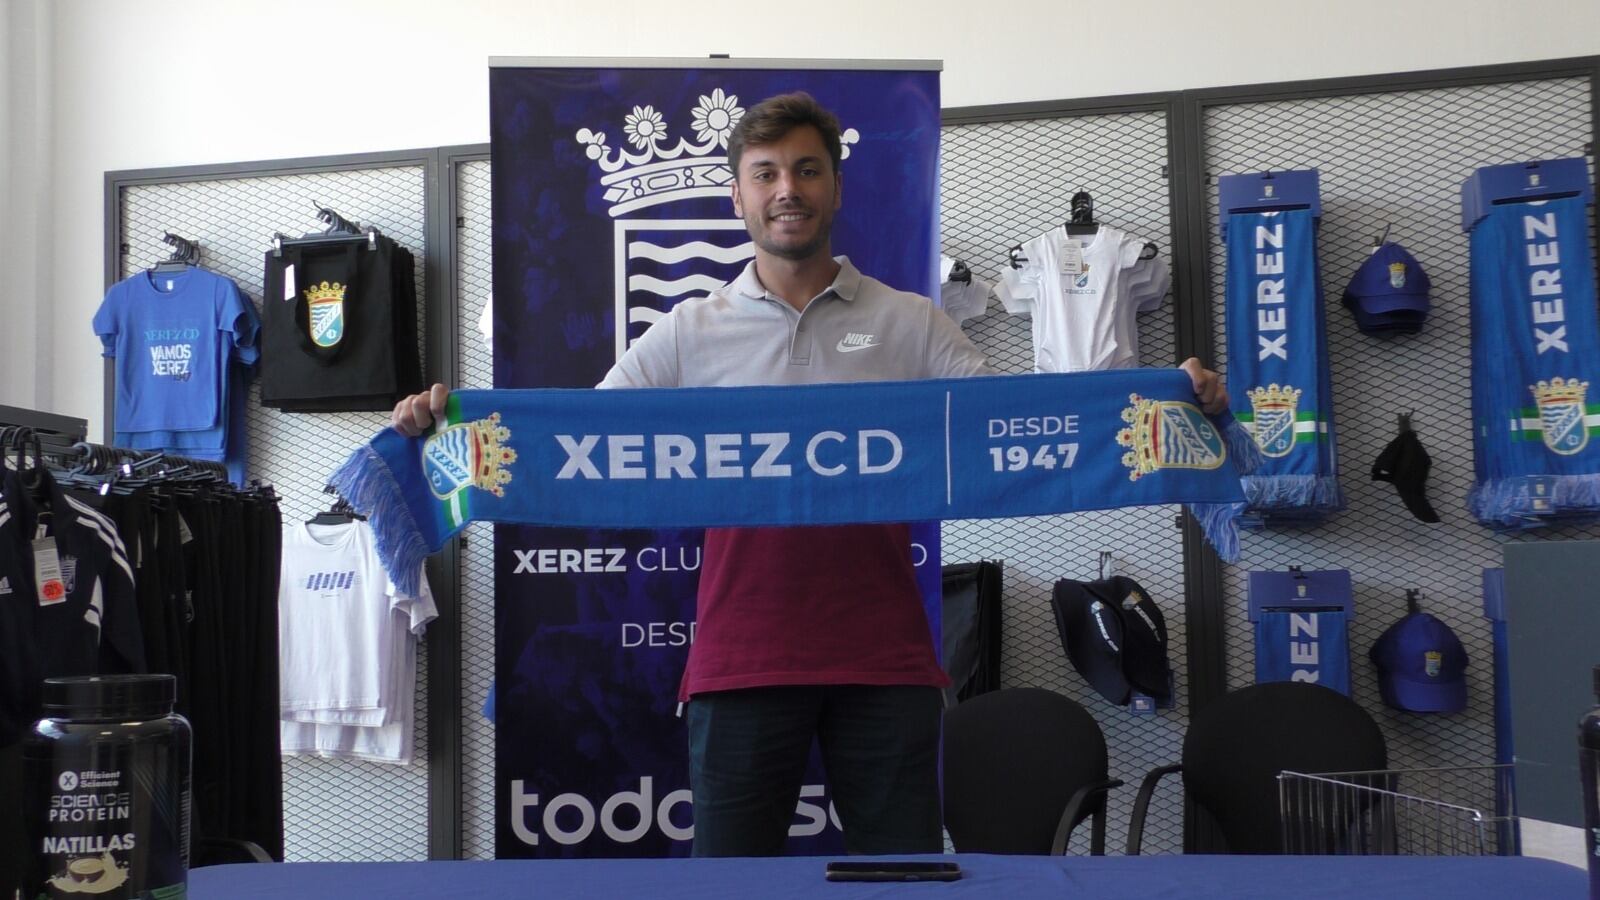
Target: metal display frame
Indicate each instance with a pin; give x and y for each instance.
(443, 636)
(1193, 309)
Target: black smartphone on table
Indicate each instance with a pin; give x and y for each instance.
(890, 870)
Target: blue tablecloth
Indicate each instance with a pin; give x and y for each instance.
(1003, 877)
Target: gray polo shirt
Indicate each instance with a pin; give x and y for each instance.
(858, 329)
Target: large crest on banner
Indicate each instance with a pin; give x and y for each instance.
(661, 260)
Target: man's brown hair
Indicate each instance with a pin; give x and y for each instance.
(768, 121)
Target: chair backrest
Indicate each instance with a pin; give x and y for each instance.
(1236, 747)
(1012, 760)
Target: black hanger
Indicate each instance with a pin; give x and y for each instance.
(960, 274)
(339, 231)
(341, 513)
(1081, 218)
(1150, 250)
(1412, 596)
(185, 253)
(26, 441)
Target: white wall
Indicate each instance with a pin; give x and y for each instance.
(27, 315)
(234, 67)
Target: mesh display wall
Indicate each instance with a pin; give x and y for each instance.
(1395, 160)
(1004, 183)
(475, 368)
(1386, 158)
(333, 809)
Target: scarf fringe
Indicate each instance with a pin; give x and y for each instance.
(1220, 523)
(1242, 448)
(1270, 494)
(1502, 503)
(364, 480)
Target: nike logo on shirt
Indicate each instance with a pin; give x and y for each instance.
(854, 341)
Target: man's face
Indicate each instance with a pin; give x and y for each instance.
(787, 193)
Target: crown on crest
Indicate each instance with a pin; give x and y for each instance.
(1274, 397)
(658, 171)
(490, 436)
(1560, 390)
(327, 290)
(1139, 437)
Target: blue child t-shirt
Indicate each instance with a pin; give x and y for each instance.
(172, 335)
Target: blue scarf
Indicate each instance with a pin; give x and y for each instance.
(1278, 381)
(1535, 363)
(966, 448)
(1311, 646)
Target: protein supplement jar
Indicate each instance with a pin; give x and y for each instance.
(107, 790)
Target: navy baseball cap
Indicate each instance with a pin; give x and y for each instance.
(1389, 292)
(1115, 636)
(1422, 666)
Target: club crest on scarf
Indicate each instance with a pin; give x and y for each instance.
(471, 454)
(661, 260)
(1273, 424)
(1562, 414)
(1168, 434)
(326, 302)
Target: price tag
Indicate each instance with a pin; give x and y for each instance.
(1072, 258)
(47, 572)
(288, 282)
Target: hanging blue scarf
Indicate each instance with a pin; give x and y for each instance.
(965, 448)
(1535, 367)
(1278, 378)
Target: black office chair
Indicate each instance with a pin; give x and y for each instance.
(226, 851)
(1236, 747)
(1022, 767)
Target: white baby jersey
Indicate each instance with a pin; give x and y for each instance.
(1084, 294)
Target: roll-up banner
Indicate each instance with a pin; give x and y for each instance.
(611, 204)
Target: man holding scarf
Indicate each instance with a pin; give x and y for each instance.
(817, 631)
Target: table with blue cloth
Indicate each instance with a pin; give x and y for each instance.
(1005, 877)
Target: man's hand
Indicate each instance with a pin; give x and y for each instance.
(1208, 386)
(414, 414)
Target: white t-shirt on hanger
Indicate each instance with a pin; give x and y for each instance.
(347, 645)
(961, 300)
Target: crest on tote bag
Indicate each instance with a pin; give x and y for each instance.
(326, 304)
(659, 260)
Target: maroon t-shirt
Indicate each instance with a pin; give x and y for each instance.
(833, 604)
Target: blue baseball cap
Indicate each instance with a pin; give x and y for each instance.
(1422, 666)
(1389, 292)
